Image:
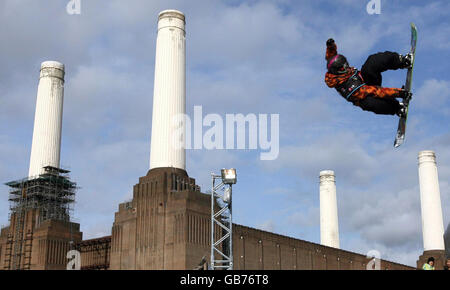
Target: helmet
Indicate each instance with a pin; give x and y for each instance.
(338, 65)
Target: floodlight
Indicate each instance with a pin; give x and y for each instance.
(229, 176)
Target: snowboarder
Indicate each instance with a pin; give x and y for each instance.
(363, 88)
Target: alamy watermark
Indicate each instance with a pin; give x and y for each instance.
(374, 7)
(214, 132)
(74, 258)
(73, 7)
(375, 262)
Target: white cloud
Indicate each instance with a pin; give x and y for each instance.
(268, 226)
(434, 94)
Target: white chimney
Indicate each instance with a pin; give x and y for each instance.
(329, 229)
(169, 96)
(430, 197)
(46, 145)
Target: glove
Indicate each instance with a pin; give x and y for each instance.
(330, 42)
(404, 94)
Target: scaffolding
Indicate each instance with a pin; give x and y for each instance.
(50, 195)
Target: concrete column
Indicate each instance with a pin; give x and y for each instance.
(169, 97)
(46, 145)
(430, 197)
(329, 229)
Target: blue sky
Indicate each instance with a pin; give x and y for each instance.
(242, 57)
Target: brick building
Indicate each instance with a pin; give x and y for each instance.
(167, 226)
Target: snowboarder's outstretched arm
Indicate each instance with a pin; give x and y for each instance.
(331, 49)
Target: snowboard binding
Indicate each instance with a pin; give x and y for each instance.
(407, 60)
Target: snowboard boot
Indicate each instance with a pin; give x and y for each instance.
(402, 111)
(406, 60)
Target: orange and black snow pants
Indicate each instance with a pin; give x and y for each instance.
(371, 73)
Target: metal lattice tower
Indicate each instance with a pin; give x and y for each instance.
(221, 225)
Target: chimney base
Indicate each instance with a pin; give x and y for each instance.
(439, 259)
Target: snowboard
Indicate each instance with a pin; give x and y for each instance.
(401, 131)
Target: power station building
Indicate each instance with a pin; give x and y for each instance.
(167, 224)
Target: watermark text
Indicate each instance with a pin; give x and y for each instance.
(73, 7)
(234, 132)
(374, 7)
